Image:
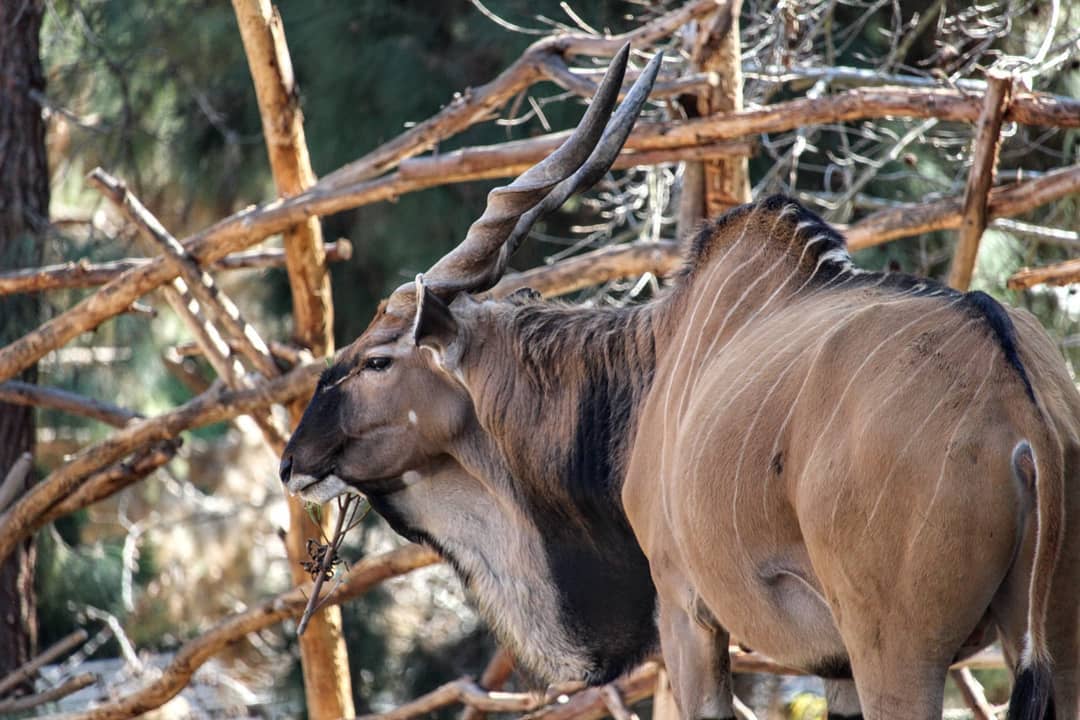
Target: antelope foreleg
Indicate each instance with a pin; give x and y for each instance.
(695, 651)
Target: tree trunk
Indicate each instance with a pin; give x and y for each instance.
(24, 211)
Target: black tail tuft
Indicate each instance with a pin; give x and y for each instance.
(1032, 694)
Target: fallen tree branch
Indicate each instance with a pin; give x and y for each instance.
(213, 406)
(1063, 273)
(17, 392)
(916, 219)
(980, 179)
(193, 654)
(84, 274)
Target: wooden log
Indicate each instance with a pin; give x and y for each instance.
(325, 663)
(84, 274)
(980, 179)
(725, 182)
(364, 575)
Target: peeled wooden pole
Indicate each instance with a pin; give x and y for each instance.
(327, 684)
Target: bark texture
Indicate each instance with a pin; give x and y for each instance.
(24, 212)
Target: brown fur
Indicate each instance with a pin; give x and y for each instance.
(818, 460)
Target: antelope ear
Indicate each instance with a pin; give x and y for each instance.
(434, 325)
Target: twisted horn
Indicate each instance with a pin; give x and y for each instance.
(478, 262)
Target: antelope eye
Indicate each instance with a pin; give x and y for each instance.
(377, 364)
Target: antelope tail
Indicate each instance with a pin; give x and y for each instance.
(1042, 473)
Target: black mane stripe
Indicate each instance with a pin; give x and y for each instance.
(825, 251)
(1004, 330)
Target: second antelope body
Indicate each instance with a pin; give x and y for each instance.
(864, 475)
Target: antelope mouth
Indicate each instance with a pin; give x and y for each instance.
(318, 490)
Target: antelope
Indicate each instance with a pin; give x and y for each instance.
(864, 475)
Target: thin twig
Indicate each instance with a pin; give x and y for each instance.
(325, 564)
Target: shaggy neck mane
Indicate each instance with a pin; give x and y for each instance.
(565, 418)
(562, 414)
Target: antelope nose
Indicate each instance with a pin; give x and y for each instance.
(286, 469)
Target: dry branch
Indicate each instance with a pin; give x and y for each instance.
(253, 224)
(477, 104)
(60, 691)
(28, 670)
(209, 314)
(973, 694)
(589, 703)
(84, 274)
(485, 162)
(1005, 201)
(614, 703)
(17, 392)
(112, 480)
(592, 268)
(219, 308)
(495, 675)
(1064, 273)
(362, 577)
(213, 406)
(466, 692)
(980, 179)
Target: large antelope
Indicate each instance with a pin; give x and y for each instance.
(864, 475)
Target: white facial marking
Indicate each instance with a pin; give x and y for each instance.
(411, 477)
(412, 417)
